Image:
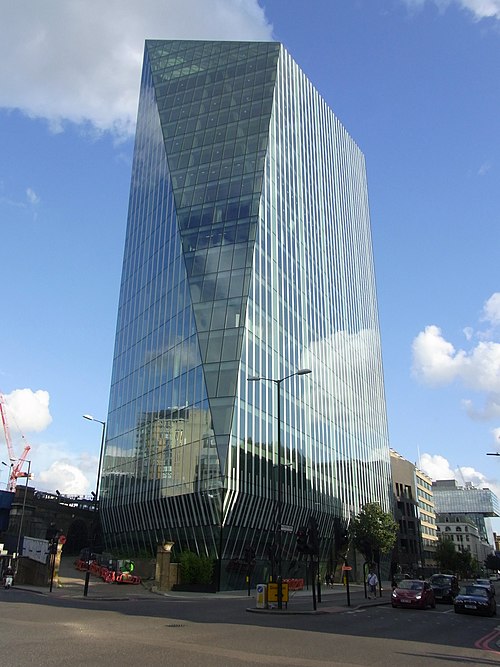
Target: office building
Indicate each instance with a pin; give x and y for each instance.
(462, 531)
(248, 255)
(473, 504)
(414, 504)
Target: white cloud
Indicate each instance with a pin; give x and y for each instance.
(468, 333)
(437, 362)
(80, 60)
(32, 197)
(491, 310)
(67, 478)
(480, 9)
(55, 466)
(489, 410)
(484, 169)
(28, 410)
(438, 467)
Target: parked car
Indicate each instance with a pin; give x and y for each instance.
(486, 582)
(413, 593)
(475, 599)
(445, 587)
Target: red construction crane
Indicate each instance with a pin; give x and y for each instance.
(15, 464)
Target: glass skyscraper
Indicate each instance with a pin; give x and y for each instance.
(248, 253)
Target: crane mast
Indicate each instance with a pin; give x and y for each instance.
(16, 465)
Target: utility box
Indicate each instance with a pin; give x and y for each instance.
(261, 602)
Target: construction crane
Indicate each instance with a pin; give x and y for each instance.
(15, 464)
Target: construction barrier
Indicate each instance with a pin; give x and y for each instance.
(107, 575)
(294, 584)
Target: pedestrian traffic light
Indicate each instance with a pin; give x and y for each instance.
(312, 537)
(302, 540)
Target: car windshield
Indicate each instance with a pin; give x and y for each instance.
(408, 585)
(474, 590)
(483, 582)
(441, 581)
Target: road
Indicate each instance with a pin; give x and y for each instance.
(43, 631)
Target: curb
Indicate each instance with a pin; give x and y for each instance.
(316, 612)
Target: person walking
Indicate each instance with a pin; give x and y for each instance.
(372, 582)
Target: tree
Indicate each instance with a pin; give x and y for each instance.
(466, 564)
(492, 562)
(373, 532)
(446, 555)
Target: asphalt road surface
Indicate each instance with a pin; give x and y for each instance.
(43, 631)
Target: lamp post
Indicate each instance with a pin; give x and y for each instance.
(28, 477)
(279, 496)
(96, 496)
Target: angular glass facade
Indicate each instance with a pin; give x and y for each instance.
(248, 253)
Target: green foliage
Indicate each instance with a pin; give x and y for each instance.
(195, 569)
(492, 562)
(373, 531)
(446, 555)
(466, 565)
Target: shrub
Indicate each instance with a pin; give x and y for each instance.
(195, 569)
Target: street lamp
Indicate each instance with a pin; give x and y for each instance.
(279, 503)
(28, 477)
(96, 495)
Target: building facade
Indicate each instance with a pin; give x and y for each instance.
(428, 519)
(464, 534)
(248, 255)
(417, 537)
(476, 504)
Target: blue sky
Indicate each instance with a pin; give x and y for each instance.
(415, 82)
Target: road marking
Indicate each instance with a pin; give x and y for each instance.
(484, 642)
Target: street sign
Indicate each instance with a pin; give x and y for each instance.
(346, 568)
(62, 539)
(286, 529)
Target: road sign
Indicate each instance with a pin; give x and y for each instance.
(286, 529)
(346, 568)
(62, 539)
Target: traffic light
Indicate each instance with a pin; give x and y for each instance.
(249, 556)
(312, 537)
(51, 533)
(302, 540)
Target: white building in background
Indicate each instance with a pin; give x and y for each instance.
(464, 534)
(462, 507)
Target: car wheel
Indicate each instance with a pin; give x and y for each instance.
(433, 605)
(394, 605)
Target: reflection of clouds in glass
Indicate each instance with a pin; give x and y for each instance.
(176, 359)
(148, 173)
(347, 388)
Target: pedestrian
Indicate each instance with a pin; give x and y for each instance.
(372, 582)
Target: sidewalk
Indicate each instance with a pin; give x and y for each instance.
(334, 600)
